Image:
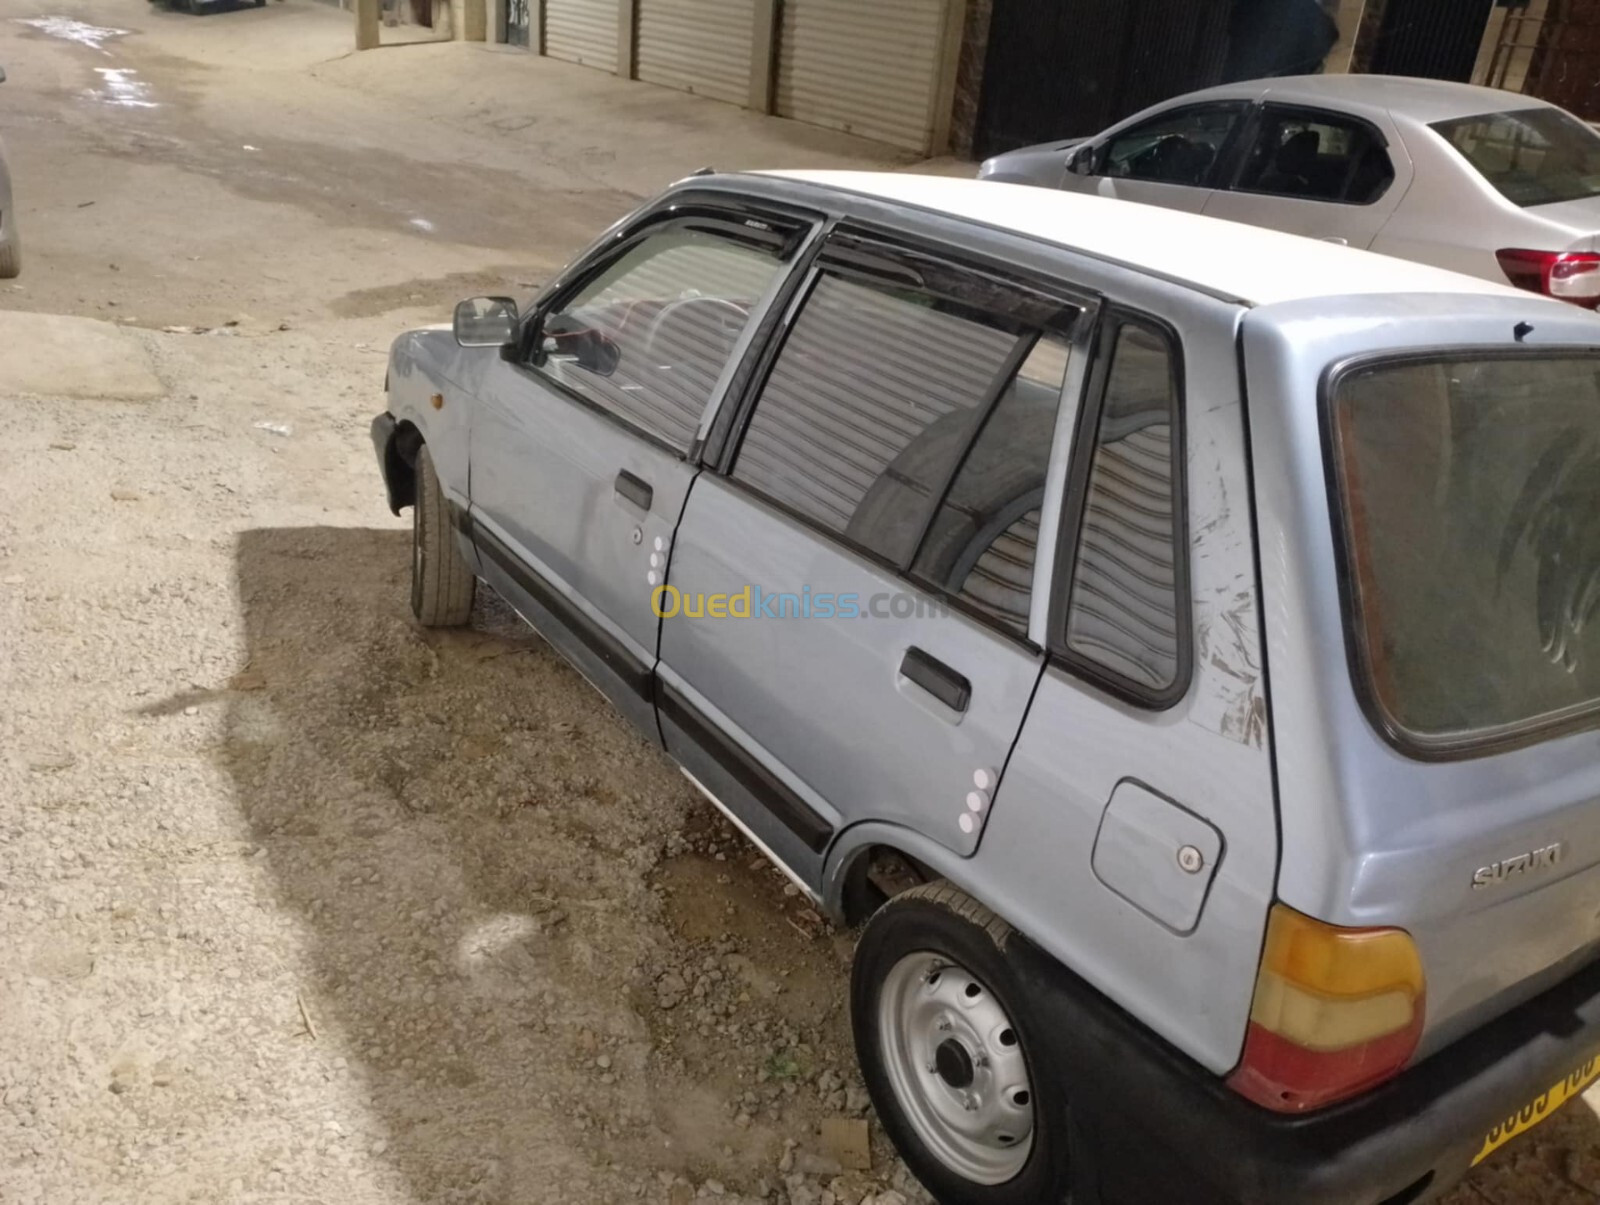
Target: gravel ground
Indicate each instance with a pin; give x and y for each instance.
(299, 903)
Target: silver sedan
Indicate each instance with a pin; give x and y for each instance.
(1487, 182)
(10, 247)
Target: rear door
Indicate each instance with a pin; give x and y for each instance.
(846, 631)
(1315, 173)
(583, 443)
(1172, 160)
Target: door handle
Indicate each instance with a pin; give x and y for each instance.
(1335, 240)
(635, 489)
(937, 678)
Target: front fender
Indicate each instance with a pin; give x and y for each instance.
(428, 394)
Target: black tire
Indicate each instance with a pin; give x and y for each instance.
(941, 920)
(442, 583)
(11, 259)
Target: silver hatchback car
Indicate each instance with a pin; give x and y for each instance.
(1474, 179)
(1175, 643)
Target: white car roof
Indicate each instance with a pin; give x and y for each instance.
(1248, 263)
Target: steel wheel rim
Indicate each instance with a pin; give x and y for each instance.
(955, 1063)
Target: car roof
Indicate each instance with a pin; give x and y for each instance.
(1421, 100)
(1244, 263)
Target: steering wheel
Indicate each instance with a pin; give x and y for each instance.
(728, 321)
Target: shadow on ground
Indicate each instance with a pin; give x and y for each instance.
(469, 836)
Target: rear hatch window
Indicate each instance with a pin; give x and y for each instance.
(1469, 492)
(1532, 156)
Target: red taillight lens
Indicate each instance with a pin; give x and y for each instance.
(1336, 1011)
(1566, 275)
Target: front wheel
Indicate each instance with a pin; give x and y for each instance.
(955, 1063)
(442, 583)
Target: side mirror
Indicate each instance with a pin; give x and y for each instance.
(486, 322)
(1082, 160)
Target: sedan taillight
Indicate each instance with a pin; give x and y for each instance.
(1565, 275)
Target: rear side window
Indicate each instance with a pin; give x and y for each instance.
(874, 398)
(1317, 157)
(1532, 156)
(984, 540)
(1126, 611)
(1470, 499)
(646, 339)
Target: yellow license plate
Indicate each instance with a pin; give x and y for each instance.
(1540, 1107)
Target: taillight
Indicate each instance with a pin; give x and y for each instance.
(1566, 275)
(1336, 1011)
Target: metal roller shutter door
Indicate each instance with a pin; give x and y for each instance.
(582, 31)
(866, 67)
(700, 46)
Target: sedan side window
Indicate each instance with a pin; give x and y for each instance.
(1318, 157)
(1175, 148)
(647, 339)
(1126, 611)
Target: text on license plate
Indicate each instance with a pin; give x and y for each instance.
(1540, 1107)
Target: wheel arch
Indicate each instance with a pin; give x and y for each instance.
(851, 891)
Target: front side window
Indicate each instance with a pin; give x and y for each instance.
(1125, 612)
(1175, 148)
(1317, 157)
(1470, 492)
(1532, 156)
(647, 339)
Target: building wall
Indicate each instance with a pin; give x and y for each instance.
(1349, 18)
(969, 77)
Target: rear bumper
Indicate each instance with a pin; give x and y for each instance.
(1161, 1128)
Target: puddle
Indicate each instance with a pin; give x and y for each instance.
(93, 36)
(121, 86)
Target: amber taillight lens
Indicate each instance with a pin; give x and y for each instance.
(1336, 1011)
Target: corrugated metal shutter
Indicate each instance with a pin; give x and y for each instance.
(700, 46)
(868, 68)
(582, 31)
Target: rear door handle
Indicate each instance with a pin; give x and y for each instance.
(635, 489)
(937, 678)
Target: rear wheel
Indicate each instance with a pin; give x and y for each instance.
(952, 1058)
(442, 583)
(10, 259)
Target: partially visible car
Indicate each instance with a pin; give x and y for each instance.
(10, 244)
(1478, 180)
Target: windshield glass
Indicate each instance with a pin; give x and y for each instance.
(1471, 499)
(1533, 156)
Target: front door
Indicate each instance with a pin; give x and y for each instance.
(581, 443)
(1171, 160)
(846, 630)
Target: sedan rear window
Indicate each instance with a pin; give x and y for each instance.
(1533, 156)
(1470, 492)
